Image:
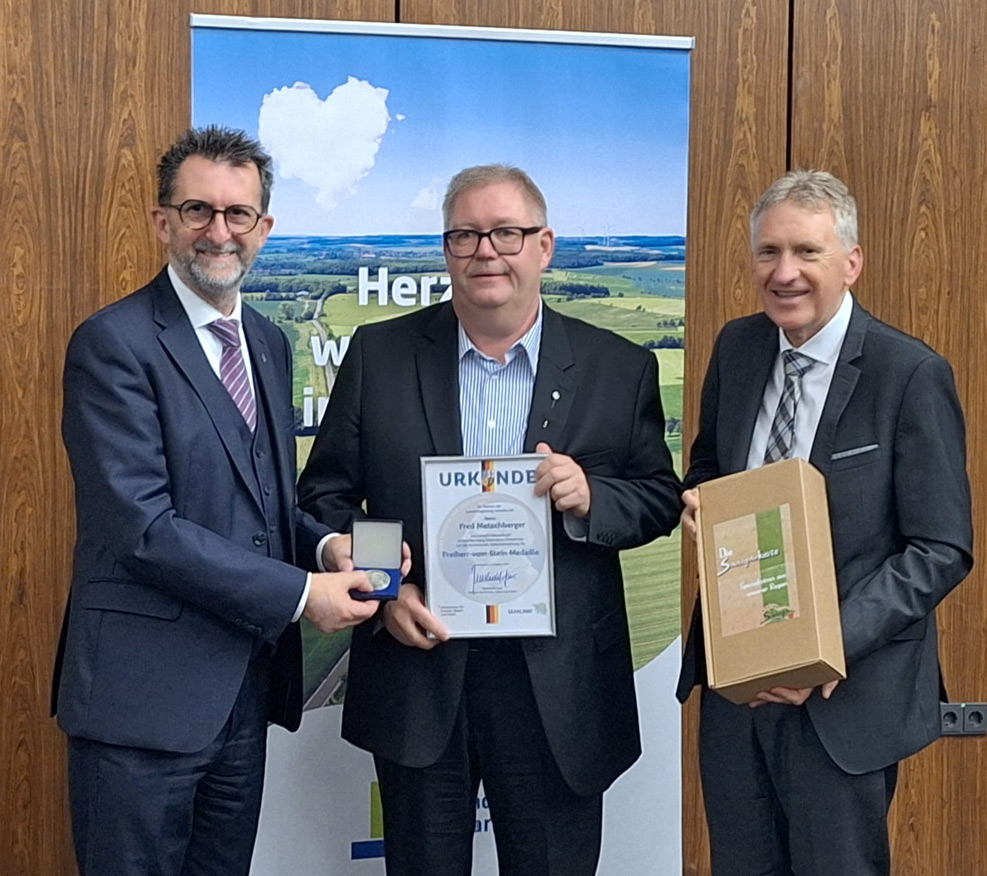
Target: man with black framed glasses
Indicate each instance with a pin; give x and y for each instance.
(546, 723)
(180, 641)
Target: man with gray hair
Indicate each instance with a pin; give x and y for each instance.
(192, 562)
(798, 782)
(546, 723)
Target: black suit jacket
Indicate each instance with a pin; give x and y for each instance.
(891, 445)
(396, 399)
(174, 588)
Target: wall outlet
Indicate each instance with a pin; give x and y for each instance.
(975, 719)
(951, 718)
(963, 719)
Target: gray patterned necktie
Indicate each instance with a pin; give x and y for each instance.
(781, 438)
(233, 370)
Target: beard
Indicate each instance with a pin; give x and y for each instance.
(216, 285)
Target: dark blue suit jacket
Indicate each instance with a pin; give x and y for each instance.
(396, 398)
(174, 586)
(891, 445)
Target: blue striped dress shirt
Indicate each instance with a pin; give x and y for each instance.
(495, 398)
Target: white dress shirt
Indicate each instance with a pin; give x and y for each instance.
(824, 347)
(200, 313)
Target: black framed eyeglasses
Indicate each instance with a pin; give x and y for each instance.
(196, 215)
(462, 243)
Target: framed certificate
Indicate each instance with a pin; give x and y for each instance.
(488, 546)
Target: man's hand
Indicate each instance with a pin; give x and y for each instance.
(791, 696)
(408, 620)
(564, 480)
(690, 499)
(331, 608)
(338, 555)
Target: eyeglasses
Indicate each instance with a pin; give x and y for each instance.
(196, 215)
(462, 243)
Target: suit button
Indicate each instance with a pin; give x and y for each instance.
(260, 539)
(268, 491)
(259, 453)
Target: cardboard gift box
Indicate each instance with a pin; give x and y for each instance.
(767, 581)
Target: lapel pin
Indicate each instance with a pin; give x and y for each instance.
(545, 424)
(555, 398)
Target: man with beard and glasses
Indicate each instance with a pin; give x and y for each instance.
(180, 640)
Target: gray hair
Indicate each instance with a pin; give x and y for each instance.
(222, 145)
(815, 190)
(490, 174)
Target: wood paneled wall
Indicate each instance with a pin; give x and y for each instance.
(892, 97)
(889, 94)
(91, 93)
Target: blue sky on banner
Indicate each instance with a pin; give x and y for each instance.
(366, 130)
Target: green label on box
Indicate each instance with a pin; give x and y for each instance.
(755, 574)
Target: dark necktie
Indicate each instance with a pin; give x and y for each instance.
(233, 370)
(781, 438)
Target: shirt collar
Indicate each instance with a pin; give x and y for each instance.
(199, 311)
(529, 342)
(824, 346)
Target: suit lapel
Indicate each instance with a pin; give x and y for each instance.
(742, 390)
(269, 386)
(554, 390)
(180, 341)
(438, 379)
(436, 359)
(845, 377)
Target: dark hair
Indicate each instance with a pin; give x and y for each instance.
(224, 145)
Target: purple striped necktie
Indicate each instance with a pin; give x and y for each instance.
(233, 370)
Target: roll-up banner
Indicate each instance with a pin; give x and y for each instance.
(366, 124)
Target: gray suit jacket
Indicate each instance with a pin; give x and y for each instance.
(891, 446)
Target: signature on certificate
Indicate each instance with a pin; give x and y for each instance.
(489, 577)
